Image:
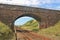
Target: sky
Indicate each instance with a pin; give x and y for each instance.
(23, 20)
(48, 4)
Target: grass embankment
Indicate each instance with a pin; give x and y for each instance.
(52, 32)
(5, 32)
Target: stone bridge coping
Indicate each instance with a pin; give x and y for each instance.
(26, 8)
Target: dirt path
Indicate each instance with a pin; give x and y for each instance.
(28, 35)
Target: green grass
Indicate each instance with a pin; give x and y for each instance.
(52, 32)
(32, 25)
(5, 32)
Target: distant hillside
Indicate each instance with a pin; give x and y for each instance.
(30, 25)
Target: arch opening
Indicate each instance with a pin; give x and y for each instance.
(27, 23)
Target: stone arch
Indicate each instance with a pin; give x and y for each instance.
(9, 13)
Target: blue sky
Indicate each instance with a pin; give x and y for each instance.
(23, 20)
(49, 4)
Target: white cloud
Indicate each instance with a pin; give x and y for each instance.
(34, 3)
(16, 2)
(25, 2)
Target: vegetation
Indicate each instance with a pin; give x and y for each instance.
(53, 31)
(31, 25)
(5, 32)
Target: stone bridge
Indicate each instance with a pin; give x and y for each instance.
(45, 17)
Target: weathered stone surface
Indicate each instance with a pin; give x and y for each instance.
(45, 17)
